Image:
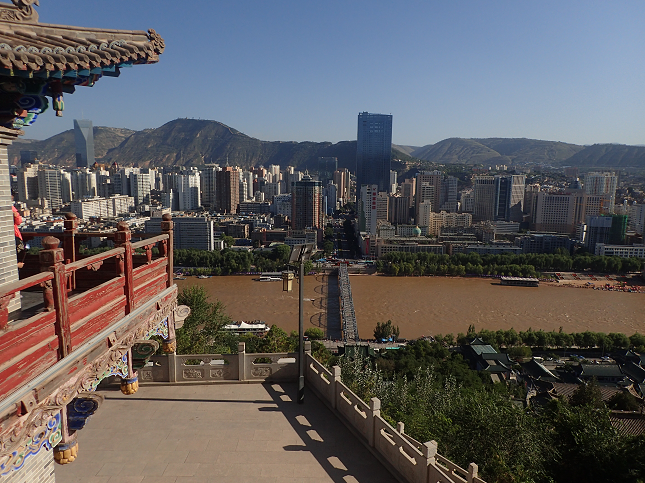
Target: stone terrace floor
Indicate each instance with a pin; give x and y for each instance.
(218, 433)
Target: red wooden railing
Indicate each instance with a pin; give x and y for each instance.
(81, 297)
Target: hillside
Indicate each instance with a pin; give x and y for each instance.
(458, 150)
(497, 150)
(191, 142)
(59, 149)
(194, 142)
(608, 156)
(523, 150)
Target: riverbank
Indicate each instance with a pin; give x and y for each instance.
(431, 305)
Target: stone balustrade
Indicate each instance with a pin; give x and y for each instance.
(275, 367)
(415, 462)
(412, 461)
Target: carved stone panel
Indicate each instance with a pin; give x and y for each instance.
(220, 373)
(193, 374)
(261, 371)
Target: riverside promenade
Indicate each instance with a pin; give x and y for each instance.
(239, 433)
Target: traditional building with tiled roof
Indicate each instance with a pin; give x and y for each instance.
(42, 386)
(40, 61)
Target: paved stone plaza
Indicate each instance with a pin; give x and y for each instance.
(218, 433)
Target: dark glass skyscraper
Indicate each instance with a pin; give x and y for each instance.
(84, 140)
(373, 151)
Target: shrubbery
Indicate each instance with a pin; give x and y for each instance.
(437, 396)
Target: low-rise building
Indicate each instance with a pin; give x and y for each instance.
(623, 251)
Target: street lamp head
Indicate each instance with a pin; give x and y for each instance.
(287, 281)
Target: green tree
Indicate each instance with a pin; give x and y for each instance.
(315, 333)
(229, 241)
(385, 330)
(587, 395)
(202, 327)
(623, 401)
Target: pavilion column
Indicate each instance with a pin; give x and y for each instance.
(8, 257)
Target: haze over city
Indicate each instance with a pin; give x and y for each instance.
(295, 71)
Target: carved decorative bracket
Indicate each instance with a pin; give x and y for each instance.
(95, 266)
(81, 408)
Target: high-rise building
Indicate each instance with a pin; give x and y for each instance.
(326, 168)
(84, 141)
(208, 175)
(399, 210)
(424, 212)
(28, 182)
(484, 198)
(449, 192)
(382, 206)
(602, 184)
(341, 180)
(499, 198)
(28, 157)
(49, 187)
(83, 183)
(188, 191)
(509, 193)
(368, 209)
(140, 185)
(393, 182)
(306, 204)
(282, 204)
(373, 150)
(636, 218)
(228, 190)
(428, 188)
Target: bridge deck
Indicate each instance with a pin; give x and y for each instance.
(224, 433)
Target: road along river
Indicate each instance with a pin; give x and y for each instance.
(432, 305)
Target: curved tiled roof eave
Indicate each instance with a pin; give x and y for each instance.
(47, 47)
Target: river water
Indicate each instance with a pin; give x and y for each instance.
(432, 305)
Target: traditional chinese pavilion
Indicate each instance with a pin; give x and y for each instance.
(81, 319)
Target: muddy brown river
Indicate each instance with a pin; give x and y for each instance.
(431, 305)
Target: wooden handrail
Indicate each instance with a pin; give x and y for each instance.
(63, 234)
(99, 257)
(149, 241)
(24, 283)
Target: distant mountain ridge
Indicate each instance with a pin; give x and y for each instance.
(192, 142)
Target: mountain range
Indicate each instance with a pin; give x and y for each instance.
(191, 142)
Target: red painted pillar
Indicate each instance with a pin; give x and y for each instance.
(122, 239)
(51, 259)
(167, 229)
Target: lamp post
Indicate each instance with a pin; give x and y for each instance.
(299, 254)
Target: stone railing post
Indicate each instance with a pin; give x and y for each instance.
(375, 410)
(55, 291)
(241, 354)
(69, 245)
(430, 452)
(172, 366)
(122, 239)
(167, 229)
(335, 379)
(473, 469)
(400, 427)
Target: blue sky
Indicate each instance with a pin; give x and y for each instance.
(301, 70)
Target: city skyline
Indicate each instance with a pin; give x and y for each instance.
(559, 72)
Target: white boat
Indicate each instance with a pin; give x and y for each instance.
(264, 278)
(256, 327)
